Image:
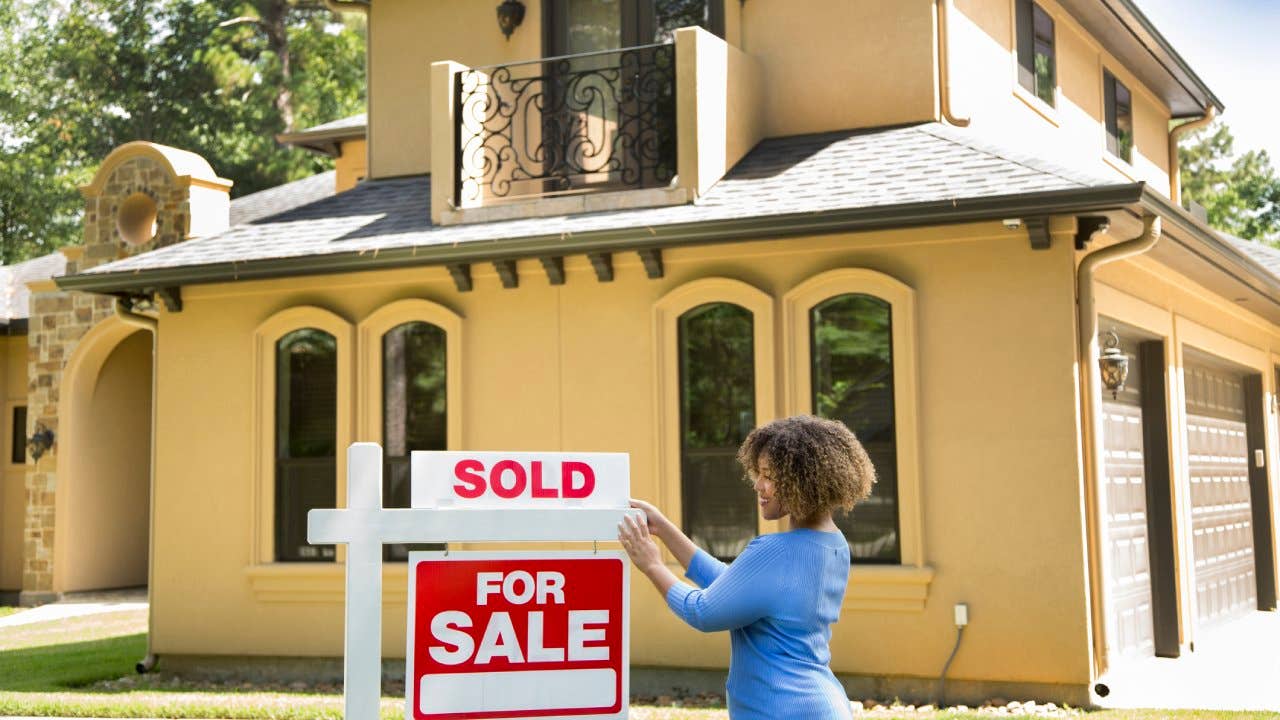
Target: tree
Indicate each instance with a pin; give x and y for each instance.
(78, 79)
(1241, 194)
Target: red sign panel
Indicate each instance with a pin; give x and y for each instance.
(518, 635)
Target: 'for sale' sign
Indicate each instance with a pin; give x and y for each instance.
(517, 635)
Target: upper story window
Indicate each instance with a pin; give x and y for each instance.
(582, 26)
(306, 439)
(414, 408)
(1037, 56)
(717, 410)
(1119, 117)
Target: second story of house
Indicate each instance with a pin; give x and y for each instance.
(625, 104)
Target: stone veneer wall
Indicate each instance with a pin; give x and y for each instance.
(60, 319)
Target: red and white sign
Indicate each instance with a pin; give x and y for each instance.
(443, 479)
(518, 635)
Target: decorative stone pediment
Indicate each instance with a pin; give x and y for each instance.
(146, 196)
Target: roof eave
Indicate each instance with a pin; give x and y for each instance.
(1053, 202)
(1146, 32)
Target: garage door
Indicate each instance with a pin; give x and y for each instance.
(1129, 627)
(1221, 516)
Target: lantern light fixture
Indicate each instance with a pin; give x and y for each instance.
(510, 15)
(40, 442)
(1113, 364)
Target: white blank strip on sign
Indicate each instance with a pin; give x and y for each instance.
(526, 690)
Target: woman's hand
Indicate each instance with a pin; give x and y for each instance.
(658, 524)
(639, 544)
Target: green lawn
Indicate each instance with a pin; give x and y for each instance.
(83, 667)
(8, 610)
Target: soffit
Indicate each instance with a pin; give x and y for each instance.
(1131, 37)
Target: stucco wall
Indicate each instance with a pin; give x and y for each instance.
(352, 165)
(814, 78)
(985, 89)
(572, 367)
(13, 495)
(106, 538)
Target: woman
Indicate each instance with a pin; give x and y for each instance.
(779, 598)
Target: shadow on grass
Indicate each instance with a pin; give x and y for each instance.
(54, 668)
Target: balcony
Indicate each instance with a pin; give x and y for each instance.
(636, 127)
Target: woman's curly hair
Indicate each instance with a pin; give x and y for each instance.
(817, 465)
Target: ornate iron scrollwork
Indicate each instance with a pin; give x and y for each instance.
(579, 123)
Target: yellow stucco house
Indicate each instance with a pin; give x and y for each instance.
(648, 231)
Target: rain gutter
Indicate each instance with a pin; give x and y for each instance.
(633, 238)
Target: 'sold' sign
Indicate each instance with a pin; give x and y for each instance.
(519, 480)
(517, 635)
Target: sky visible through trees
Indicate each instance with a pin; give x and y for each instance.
(222, 77)
(217, 77)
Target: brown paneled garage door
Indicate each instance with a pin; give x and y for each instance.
(1221, 515)
(1129, 610)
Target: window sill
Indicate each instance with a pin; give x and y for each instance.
(1038, 106)
(891, 588)
(1120, 165)
(319, 583)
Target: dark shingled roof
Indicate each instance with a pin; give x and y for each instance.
(281, 198)
(1262, 253)
(801, 174)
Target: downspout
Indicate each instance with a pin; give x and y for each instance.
(126, 314)
(1091, 401)
(942, 10)
(1175, 170)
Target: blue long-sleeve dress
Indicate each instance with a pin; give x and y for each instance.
(778, 600)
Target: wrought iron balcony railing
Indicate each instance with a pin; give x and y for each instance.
(570, 124)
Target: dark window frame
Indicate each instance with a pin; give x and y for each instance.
(287, 528)
(399, 552)
(896, 559)
(18, 435)
(1032, 44)
(684, 452)
(1114, 101)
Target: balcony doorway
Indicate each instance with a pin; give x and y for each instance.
(574, 27)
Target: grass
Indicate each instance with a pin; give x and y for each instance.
(8, 610)
(83, 667)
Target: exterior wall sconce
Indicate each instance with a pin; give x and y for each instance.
(1113, 364)
(40, 442)
(510, 15)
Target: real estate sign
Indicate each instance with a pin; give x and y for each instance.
(495, 634)
(517, 634)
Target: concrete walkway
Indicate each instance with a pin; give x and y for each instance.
(80, 604)
(1235, 666)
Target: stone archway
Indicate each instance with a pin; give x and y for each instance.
(104, 464)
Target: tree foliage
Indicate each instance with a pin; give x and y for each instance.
(1240, 192)
(217, 77)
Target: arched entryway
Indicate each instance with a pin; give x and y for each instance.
(104, 461)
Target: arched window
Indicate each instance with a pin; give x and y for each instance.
(851, 366)
(851, 356)
(717, 410)
(306, 406)
(414, 407)
(714, 345)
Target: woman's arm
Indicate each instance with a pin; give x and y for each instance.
(737, 597)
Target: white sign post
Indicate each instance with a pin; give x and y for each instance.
(516, 504)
